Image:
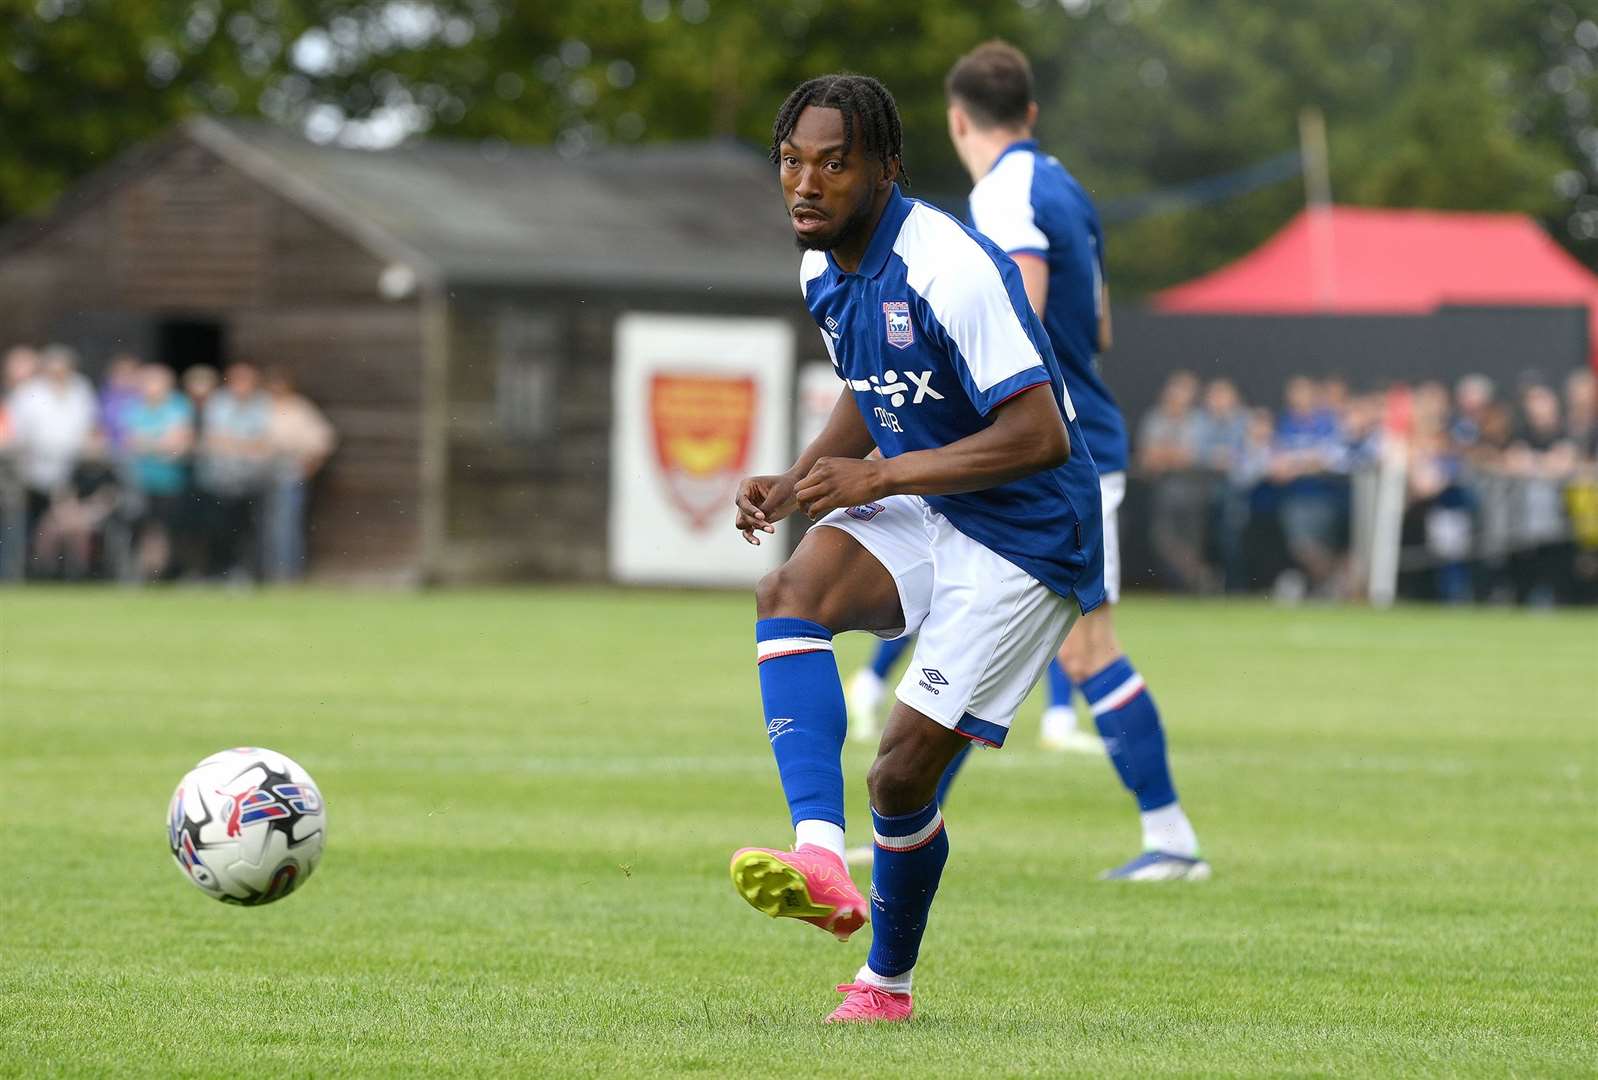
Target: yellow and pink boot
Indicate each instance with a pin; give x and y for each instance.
(810, 884)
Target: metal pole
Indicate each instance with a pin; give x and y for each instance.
(1318, 198)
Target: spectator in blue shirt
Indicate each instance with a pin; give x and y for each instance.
(1309, 458)
(159, 437)
(119, 393)
(232, 468)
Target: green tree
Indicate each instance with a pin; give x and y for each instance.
(1487, 105)
(1463, 112)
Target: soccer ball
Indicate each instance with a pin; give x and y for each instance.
(247, 826)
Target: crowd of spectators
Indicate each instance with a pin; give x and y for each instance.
(144, 479)
(1500, 496)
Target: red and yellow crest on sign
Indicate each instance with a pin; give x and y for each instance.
(703, 426)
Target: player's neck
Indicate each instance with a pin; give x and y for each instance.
(848, 256)
(982, 148)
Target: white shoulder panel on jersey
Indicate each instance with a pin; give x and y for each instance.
(959, 281)
(1001, 205)
(811, 266)
(826, 339)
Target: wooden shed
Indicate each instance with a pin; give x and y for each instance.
(450, 305)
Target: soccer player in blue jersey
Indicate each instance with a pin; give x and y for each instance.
(1029, 205)
(978, 526)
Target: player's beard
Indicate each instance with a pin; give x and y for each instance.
(858, 221)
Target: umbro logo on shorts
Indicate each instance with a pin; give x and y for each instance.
(931, 679)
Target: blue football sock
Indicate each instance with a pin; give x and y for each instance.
(805, 716)
(888, 653)
(910, 852)
(1059, 687)
(949, 774)
(1125, 714)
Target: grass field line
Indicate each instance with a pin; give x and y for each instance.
(601, 765)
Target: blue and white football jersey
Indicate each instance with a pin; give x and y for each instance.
(932, 333)
(1029, 204)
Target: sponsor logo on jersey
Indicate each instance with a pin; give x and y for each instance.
(896, 313)
(703, 426)
(891, 386)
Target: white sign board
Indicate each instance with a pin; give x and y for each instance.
(700, 403)
(819, 390)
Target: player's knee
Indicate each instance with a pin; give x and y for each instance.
(1078, 665)
(786, 593)
(898, 785)
(1091, 647)
(1084, 663)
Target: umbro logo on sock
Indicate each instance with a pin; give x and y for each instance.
(875, 899)
(777, 726)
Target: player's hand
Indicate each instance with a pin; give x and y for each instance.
(761, 502)
(833, 483)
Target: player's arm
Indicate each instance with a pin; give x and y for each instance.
(1035, 277)
(762, 501)
(1027, 435)
(1106, 332)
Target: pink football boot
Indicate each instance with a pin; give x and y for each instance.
(867, 1004)
(810, 884)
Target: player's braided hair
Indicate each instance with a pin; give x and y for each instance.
(855, 96)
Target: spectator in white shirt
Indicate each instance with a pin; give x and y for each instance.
(51, 418)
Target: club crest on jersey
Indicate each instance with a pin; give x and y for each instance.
(897, 315)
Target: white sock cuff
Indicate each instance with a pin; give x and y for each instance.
(789, 646)
(1167, 829)
(823, 834)
(893, 984)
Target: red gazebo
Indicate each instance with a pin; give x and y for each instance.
(1371, 261)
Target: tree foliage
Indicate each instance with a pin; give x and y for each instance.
(1487, 105)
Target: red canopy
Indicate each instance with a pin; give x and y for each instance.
(1353, 259)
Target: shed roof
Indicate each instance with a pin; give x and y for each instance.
(685, 215)
(678, 214)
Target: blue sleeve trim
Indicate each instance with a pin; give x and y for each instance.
(1041, 253)
(1001, 392)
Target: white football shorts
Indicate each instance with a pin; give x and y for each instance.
(1112, 492)
(988, 628)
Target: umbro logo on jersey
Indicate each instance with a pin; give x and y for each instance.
(897, 315)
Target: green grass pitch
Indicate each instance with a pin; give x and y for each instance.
(533, 795)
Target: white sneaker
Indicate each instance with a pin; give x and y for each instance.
(864, 699)
(859, 856)
(1160, 866)
(1061, 733)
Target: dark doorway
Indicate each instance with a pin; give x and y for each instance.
(182, 343)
